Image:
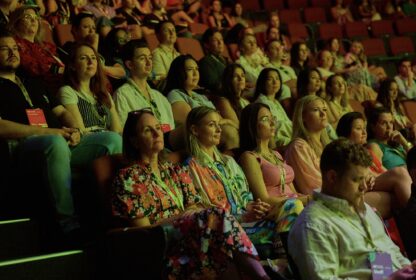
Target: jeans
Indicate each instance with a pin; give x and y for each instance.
(56, 158)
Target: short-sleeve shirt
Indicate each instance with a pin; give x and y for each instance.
(194, 100)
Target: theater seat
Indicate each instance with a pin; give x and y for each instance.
(190, 46)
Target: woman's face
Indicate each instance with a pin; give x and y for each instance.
(266, 124)
(275, 50)
(168, 34)
(334, 45)
(314, 82)
(273, 33)
(239, 81)
(28, 24)
(383, 127)
(86, 28)
(149, 134)
(238, 9)
(275, 21)
(122, 37)
(393, 91)
(192, 74)
(314, 116)
(208, 131)
(273, 83)
(356, 48)
(303, 53)
(326, 59)
(216, 6)
(338, 86)
(85, 62)
(358, 132)
(249, 45)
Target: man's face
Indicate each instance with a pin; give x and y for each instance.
(351, 185)
(141, 64)
(9, 55)
(216, 44)
(405, 68)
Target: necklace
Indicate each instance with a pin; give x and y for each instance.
(272, 158)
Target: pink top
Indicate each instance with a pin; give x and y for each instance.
(271, 176)
(305, 163)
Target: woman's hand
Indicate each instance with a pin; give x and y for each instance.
(370, 182)
(256, 210)
(397, 137)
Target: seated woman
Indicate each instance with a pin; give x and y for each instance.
(151, 192)
(367, 11)
(182, 80)
(340, 13)
(218, 18)
(231, 102)
(86, 97)
(268, 91)
(334, 47)
(325, 62)
(165, 53)
(386, 142)
(269, 177)
(38, 59)
(221, 181)
(299, 57)
(308, 141)
(310, 83)
(237, 15)
(395, 181)
(337, 98)
(388, 97)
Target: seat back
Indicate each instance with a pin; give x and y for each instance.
(315, 15)
(47, 32)
(63, 34)
(198, 28)
(405, 26)
(321, 3)
(272, 5)
(410, 109)
(290, 16)
(330, 30)
(356, 29)
(297, 32)
(401, 45)
(356, 106)
(374, 47)
(381, 28)
(297, 4)
(151, 40)
(190, 46)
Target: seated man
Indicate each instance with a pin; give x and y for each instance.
(211, 66)
(136, 94)
(405, 79)
(44, 133)
(338, 236)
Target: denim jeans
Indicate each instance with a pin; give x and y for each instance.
(56, 158)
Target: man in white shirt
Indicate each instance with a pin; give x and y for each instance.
(339, 236)
(405, 79)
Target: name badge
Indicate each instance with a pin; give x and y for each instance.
(381, 265)
(36, 117)
(165, 127)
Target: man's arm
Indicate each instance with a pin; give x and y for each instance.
(13, 130)
(64, 116)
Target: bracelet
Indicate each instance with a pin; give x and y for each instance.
(409, 145)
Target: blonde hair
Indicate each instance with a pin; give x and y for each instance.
(192, 144)
(299, 129)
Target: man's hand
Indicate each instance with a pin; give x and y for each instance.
(407, 272)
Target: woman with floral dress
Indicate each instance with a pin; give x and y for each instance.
(201, 243)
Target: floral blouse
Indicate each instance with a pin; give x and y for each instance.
(138, 194)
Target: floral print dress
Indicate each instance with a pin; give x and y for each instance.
(200, 243)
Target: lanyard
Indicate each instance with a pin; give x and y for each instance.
(24, 91)
(177, 198)
(152, 104)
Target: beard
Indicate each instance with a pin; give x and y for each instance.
(8, 68)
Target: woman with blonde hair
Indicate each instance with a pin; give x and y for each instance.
(308, 141)
(337, 98)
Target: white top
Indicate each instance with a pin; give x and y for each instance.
(194, 100)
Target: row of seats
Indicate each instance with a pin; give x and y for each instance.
(257, 5)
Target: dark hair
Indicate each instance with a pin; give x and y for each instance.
(248, 126)
(227, 89)
(4, 33)
(404, 60)
(344, 126)
(373, 115)
(76, 20)
(340, 154)
(159, 26)
(130, 131)
(384, 95)
(111, 46)
(303, 81)
(261, 83)
(294, 55)
(208, 34)
(177, 74)
(127, 52)
(98, 83)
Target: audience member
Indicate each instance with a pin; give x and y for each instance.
(395, 181)
(339, 226)
(38, 58)
(165, 53)
(310, 83)
(163, 194)
(405, 79)
(309, 139)
(57, 12)
(237, 15)
(340, 12)
(325, 62)
(6, 7)
(269, 177)
(269, 91)
(337, 98)
(388, 97)
(367, 11)
(212, 65)
(218, 18)
(99, 9)
(86, 97)
(299, 57)
(382, 136)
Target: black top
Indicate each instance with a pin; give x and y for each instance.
(13, 104)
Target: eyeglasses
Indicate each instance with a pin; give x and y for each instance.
(138, 113)
(29, 17)
(268, 119)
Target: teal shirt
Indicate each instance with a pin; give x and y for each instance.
(392, 157)
(327, 240)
